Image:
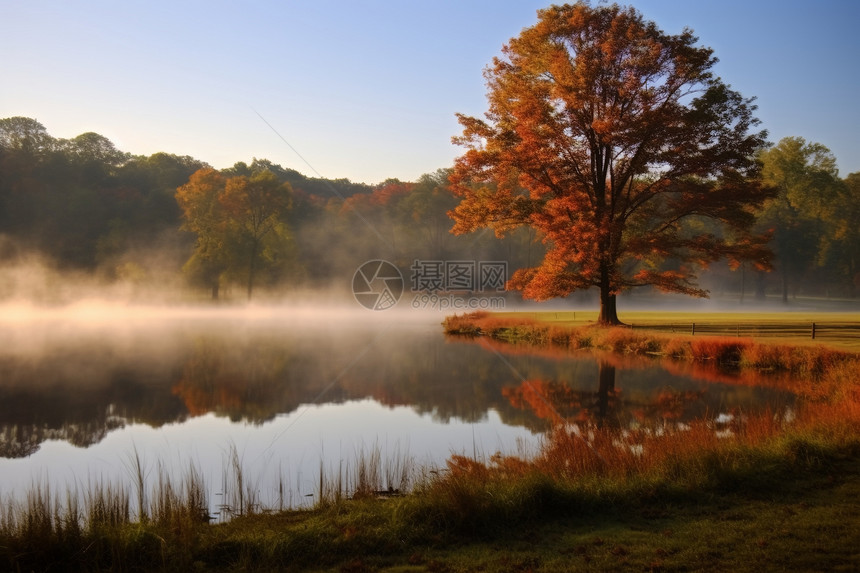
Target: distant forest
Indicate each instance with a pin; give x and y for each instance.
(81, 207)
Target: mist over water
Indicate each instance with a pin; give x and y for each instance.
(292, 387)
(95, 376)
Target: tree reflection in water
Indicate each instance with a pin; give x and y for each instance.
(560, 403)
(78, 386)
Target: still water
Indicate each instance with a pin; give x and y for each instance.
(85, 390)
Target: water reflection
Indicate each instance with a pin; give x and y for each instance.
(79, 383)
(604, 406)
(293, 393)
(630, 391)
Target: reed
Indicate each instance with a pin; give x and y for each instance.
(155, 520)
(369, 475)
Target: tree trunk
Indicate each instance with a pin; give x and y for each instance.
(760, 287)
(252, 268)
(215, 289)
(608, 310)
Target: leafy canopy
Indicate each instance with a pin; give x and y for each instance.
(609, 137)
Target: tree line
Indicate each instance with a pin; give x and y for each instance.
(84, 205)
(87, 206)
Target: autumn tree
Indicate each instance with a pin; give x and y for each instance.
(841, 247)
(202, 216)
(254, 207)
(606, 134)
(239, 223)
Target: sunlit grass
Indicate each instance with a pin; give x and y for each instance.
(663, 316)
(560, 328)
(651, 318)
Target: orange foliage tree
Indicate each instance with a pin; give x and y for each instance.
(255, 206)
(202, 216)
(239, 223)
(618, 144)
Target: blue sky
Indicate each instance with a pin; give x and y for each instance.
(368, 90)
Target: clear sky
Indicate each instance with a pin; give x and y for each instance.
(368, 90)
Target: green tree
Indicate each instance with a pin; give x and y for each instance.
(840, 250)
(25, 147)
(605, 134)
(424, 214)
(92, 148)
(25, 135)
(806, 178)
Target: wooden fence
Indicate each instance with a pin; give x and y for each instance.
(813, 330)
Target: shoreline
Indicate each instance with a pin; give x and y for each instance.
(660, 502)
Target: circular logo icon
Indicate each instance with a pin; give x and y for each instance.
(377, 285)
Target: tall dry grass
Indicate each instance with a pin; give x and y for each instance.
(155, 520)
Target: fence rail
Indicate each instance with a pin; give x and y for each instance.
(813, 330)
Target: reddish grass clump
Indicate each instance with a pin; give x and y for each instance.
(798, 360)
(722, 350)
(487, 324)
(467, 324)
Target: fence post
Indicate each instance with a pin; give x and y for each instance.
(693, 330)
(813, 331)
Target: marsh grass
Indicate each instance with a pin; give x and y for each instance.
(156, 520)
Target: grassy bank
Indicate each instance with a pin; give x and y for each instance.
(791, 503)
(646, 319)
(799, 355)
(765, 492)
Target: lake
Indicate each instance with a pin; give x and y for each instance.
(90, 392)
